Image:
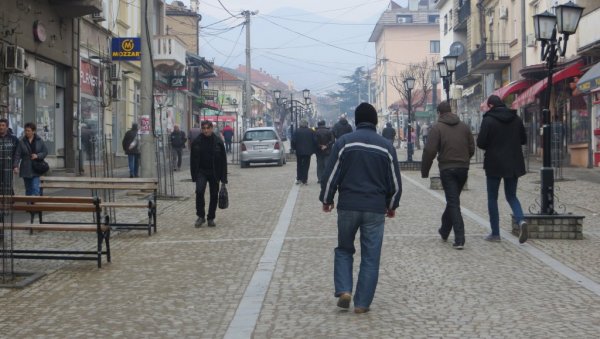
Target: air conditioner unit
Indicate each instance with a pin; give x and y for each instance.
(456, 93)
(402, 20)
(503, 13)
(531, 40)
(14, 59)
(115, 74)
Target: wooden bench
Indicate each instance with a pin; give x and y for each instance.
(113, 184)
(36, 204)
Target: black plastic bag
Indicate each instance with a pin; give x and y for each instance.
(40, 166)
(223, 201)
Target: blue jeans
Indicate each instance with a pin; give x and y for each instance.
(134, 165)
(371, 239)
(453, 181)
(32, 186)
(510, 191)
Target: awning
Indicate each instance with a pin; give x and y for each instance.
(221, 118)
(590, 80)
(503, 92)
(529, 95)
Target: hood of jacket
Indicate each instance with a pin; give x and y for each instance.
(366, 125)
(449, 119)
(502, 114)
(343, 121)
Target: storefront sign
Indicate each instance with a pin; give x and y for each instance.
(178, 81)
(90, 81)
(126, 49)
(145, 124)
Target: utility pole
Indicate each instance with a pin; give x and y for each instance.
(248, 88)
(385, 86)
(148, 155)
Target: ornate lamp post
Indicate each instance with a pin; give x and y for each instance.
(444, 74)
(435, 79)
(547, 26)
(409, 84)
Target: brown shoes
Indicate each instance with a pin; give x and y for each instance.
(360, 310)
(344, 300)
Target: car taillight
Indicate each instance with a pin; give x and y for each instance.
(276, 145)
(243, 147)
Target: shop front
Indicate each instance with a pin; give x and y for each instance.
(589, 86)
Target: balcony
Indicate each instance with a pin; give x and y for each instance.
(490, 58)
(464, 12)
(462, 70)
(462, 75)
(169, 53)
(76, 8)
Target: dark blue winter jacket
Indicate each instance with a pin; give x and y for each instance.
(363, 167)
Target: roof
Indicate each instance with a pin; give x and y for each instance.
(389, 18)
(262, 79)
(177, 8)
(224, 75)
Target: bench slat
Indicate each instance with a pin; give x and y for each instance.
(47, 207)
(98, 179)
(53, 199)
(100, 185)
(58, 227)
(124, 204)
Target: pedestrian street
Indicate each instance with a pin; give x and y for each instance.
(266, 271)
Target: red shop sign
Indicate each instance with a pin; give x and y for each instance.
(90, 82)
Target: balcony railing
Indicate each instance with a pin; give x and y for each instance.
(490, 52)
(169, 48)
(464, 12)
(462, 70)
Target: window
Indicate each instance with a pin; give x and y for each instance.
(434, 46)
(433, 19)
(404, 19)
(260, 135)
(445, 24)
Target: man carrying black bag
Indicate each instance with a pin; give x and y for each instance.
(208, 164)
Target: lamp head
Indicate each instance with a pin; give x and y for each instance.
(543, 25)
(410, 83)
(567, 18)
(306, 93)
(450, 61)
(277, 94)
(442, 68)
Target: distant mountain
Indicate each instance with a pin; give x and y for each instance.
(299, 59)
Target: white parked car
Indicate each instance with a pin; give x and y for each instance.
(261, 145)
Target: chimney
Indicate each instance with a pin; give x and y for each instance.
(194, 5)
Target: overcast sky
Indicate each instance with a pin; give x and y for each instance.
(309, 43)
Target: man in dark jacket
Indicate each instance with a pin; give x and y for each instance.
(228, 136)
(8, 148)
(501, 135)
(177, 144)
(341, 127)
(131, 146)
(208, 165)
(364, 169)
(451, 140)
(325, 140)
(389, 132)
(305, 144)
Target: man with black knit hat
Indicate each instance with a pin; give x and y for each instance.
(452, 142)
(364, 168)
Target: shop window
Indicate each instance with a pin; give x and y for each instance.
(580, 121)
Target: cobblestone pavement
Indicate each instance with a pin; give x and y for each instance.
(187, 282)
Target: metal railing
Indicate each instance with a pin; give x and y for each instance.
(491, 51)
(462, 70)
(464, 11)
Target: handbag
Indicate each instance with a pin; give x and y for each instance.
(40, 166)
(223, 200)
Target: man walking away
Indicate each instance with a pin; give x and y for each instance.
(425, 132)
(451, 140)
(131, 146)
(325, 140)
(208, 165)
(389, 132)
(364, 168)
(341, 127)
(177, 144)
(305, 144)
(501, 135)
(228, 137)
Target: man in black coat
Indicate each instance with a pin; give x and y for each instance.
(305, 144)
(178, 139)
(501, 136)
(389, 132)
(341, 127)
(131, 147)
(208, 165)
(325, 140)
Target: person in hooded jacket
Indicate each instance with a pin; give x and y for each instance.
(341, 127)
(208, 165)
(451, 140)
(325, 140)
(501, 135)
(389, 132)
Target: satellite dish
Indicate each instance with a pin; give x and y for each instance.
(457, 48)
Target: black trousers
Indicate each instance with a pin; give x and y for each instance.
(213, 184)
(321, 162)
(177, 153)
(453, 181)
(302, 166)
(228, 146)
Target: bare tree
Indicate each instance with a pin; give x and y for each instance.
(421, 72)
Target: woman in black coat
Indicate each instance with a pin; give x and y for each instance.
(501, 136)
(30, 148)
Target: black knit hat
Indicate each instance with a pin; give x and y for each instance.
(365, 113)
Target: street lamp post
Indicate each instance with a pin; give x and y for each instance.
(434, 81)
(446, 69)
(293, 105)
(547, 26)
(409, 84)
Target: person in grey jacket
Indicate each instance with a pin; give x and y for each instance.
(31, 147)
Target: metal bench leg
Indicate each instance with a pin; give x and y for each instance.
(149, 221)
(106, 236)
(100, 249)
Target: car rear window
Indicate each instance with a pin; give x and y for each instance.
(260, 135)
